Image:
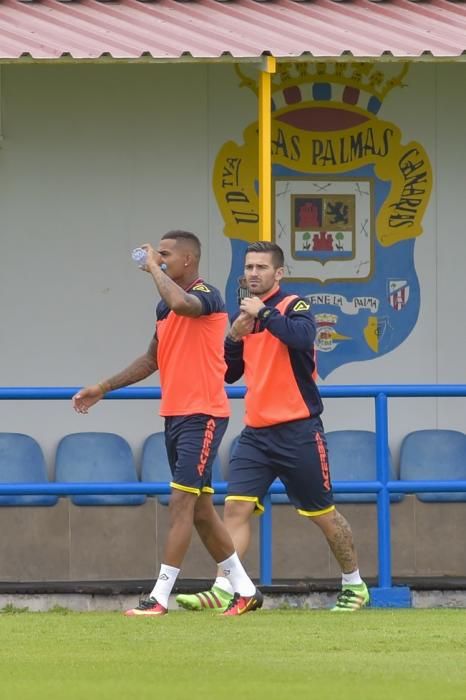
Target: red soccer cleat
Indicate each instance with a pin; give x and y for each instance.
(241, 604)
(148, 607)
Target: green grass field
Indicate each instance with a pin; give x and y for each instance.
(369, 655)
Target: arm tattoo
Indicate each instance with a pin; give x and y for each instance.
(141, 368)
(175, 297)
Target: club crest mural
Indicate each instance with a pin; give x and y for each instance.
(348, 200)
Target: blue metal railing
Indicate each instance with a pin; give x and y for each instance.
(382, 486)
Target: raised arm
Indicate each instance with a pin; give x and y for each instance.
(179, 301)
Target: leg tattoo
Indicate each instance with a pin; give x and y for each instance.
(340, 539)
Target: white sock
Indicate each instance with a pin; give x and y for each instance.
(352, 579)
(224, 584)
(239, 580)
(164, 584)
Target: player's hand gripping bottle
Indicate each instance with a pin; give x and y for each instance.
(139, 256)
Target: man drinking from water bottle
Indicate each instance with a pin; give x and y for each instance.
(187, 349)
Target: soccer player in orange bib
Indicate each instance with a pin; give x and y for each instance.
(187, 349)
(271, 342)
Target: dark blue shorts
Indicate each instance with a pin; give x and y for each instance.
(192, 443)
(294, 452)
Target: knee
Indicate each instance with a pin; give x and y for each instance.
(324, 521)
(182, 504)
(331, 522)
(203, 511)
(238, 511)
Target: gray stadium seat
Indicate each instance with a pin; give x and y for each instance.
(434, 454)
(97, 457)
(22, 461)
(352, 457)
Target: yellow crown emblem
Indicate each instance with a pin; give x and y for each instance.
(360, 85)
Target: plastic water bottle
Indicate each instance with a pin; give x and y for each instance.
(139, 256)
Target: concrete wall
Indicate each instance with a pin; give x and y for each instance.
(104, 543)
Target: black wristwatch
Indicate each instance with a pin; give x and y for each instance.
(264, 313)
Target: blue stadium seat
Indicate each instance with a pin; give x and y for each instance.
(155, 466)
(97, 457)
(352, 457)
(434, 454)
(22, 461)
(276, 498)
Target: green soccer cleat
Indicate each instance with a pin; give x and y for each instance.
(215, 599)
(352, 598)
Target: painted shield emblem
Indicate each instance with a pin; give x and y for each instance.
(348, 200)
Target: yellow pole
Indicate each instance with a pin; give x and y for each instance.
(265, 156)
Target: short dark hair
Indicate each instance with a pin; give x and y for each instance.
(185, 236)
(278, 259)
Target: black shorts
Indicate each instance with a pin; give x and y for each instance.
(192, 443)
(294, 452)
